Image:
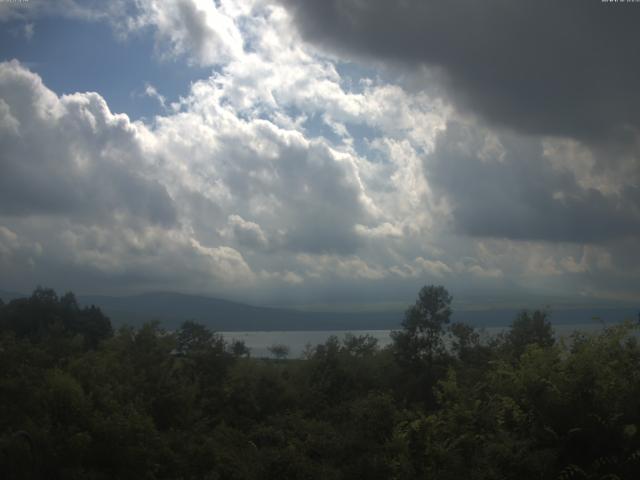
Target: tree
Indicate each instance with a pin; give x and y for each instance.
(530, 328)
(360, 345)
(279, 351)
(239, 349)
(196, 339)
(44, 316)
(91, 323)
(420, 340)
(465, 341)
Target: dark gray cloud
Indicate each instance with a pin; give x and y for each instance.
(565, 67)
(515, 192)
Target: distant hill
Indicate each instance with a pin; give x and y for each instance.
(222, 315)
(8, 296)
(171, 309)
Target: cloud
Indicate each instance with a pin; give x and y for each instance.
(115, 200)
(547, 67)
(152, 92)
(201, 30)
(279, 176)
(503, 185)
(29, 31)
(435, 268)
(247, 233)
(350, 267)
(125, 259)
(70, 155)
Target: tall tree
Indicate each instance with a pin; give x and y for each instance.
(530, 328)
(420, 340)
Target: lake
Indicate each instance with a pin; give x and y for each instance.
(259, 342)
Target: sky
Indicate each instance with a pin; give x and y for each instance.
(292, 152)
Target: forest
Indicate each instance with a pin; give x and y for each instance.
(79, 400)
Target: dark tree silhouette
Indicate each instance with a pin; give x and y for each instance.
(530, 328)
(279, 351)
(420, 340)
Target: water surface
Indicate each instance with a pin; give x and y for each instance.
(297, 341)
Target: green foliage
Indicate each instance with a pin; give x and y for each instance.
(81, 402)
(529, 328)
(45, 318)
(421, 338)
(279, 351)
(419, 348)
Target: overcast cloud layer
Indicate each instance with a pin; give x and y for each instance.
(502, 157)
